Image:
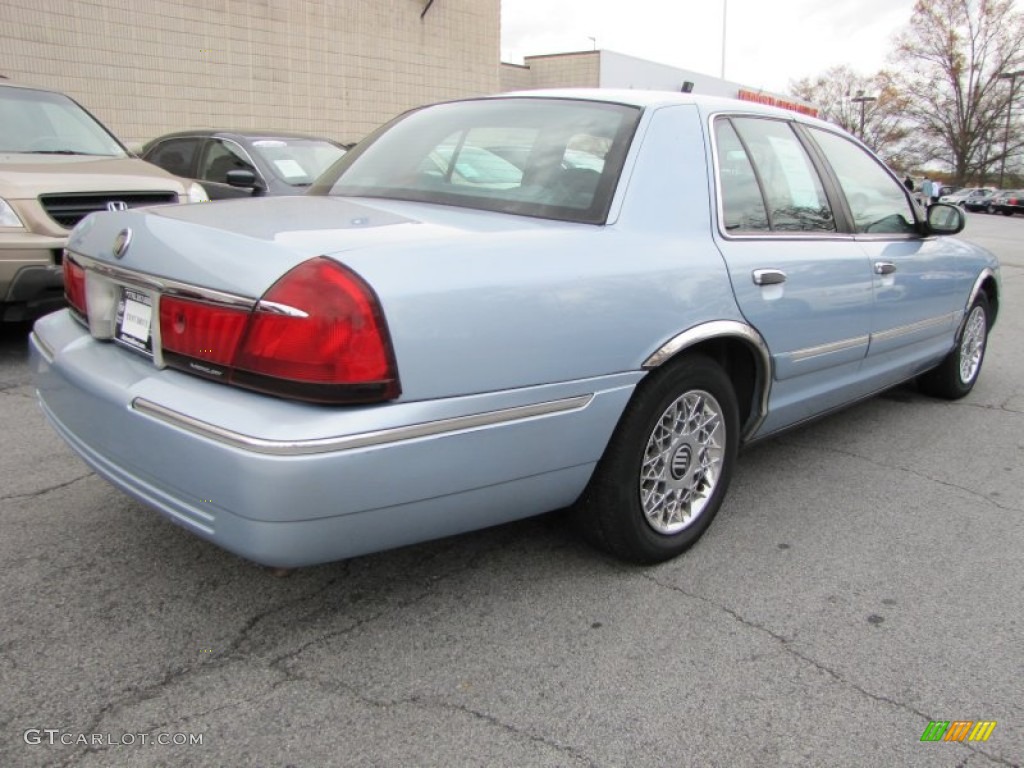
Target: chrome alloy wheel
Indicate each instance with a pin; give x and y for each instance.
(682, 462)
(972, 345)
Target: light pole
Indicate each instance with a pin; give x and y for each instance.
(1012, 77)
(725, 14)
(862, 100)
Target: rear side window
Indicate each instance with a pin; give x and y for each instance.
(878, 202)
(550, 158)
(792, 198)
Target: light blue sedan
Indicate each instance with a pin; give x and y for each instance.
(497, 307)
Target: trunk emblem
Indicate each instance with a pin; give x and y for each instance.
(121, 243)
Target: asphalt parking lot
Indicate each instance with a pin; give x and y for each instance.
(863, 579)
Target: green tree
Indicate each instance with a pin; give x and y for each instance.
(948, 65)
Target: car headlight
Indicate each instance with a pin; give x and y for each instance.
(196, 194)
(8, 218)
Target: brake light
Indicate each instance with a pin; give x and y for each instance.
(318, 334)
(74, 286)
(200, 330)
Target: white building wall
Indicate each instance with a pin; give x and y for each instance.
(621, 71)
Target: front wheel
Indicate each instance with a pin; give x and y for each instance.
(955, 376)
(666, 470)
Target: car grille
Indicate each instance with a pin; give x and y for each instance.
(69, 209)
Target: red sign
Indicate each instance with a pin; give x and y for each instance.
(773, 101)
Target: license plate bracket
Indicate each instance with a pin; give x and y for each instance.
(134, 323)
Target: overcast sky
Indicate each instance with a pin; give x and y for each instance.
(768, 42)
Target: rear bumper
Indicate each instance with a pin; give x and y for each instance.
(287, 484)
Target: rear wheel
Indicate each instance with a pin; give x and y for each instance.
(955, 376)
(667, 468)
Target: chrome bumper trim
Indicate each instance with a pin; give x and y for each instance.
(362, 439)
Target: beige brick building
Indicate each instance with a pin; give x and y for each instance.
(335, 68)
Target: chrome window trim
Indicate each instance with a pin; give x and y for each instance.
(920, 325)
(719, 329)
(360, 440)
(807, 353)
(717, 185)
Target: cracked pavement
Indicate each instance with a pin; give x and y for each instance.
(863, 578)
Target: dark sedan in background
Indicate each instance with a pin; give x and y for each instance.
(244, 163)
(1007, 202)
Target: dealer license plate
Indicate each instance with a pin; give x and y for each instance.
(135, 320)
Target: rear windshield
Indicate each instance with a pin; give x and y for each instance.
(549, 158)
(46, 123)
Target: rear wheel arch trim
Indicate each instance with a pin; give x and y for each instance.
(725, 330)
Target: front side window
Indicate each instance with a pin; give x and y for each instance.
(549, 158)
(878, 202)
(221, 157)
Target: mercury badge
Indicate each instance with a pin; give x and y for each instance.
(121, 243)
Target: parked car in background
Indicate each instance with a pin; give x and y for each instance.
(244, 163)
(1007, 202)
(500, 306)
(979, 201)
(58, 164)
(961, 196)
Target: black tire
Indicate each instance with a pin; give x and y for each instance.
(629, 478)
(955, 376)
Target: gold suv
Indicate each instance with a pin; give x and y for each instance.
(58, 164)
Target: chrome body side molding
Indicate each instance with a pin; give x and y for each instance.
(807, 353)
(921, 325)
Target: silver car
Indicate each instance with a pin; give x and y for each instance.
(497, 307)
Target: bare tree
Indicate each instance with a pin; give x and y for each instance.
(868, 107)
(949, 61)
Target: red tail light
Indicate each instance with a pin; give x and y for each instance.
(318, 334)
(74, 286)
(201, 331)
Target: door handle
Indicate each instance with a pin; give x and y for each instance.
(768, 276)
(884, 267)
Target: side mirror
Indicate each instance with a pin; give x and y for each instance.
(242, 178)
(945, 219)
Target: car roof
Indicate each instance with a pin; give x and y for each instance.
(9, 84)
(647, 99)
(249, 135)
